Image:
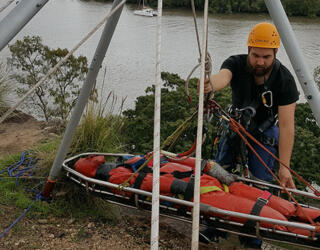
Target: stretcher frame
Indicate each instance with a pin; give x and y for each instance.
(141, 200)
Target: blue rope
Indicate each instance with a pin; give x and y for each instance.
(21, 167)
(17, 170)
(38, 197)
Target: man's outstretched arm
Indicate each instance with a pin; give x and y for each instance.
(286, 140)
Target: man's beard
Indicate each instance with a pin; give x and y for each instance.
(259, 71)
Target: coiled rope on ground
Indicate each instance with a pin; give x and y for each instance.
(23, 168)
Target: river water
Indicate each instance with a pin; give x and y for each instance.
(130, 60)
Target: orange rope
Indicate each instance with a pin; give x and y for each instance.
(238, 128)
(190, 151)
(315, 191)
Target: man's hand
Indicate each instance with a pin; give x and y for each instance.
(286, 178)
(207, 86)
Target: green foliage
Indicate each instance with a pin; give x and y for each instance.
(33, 60)
(4, 89)
(316, 75)
(310, 8)
(305, 158)
(175, 108)
(99, 131)
(70, 200)
(305, 119)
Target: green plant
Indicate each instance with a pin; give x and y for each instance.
(69, 199)
(175, 109)
(4, 89)
(56, 97)
(316, 75)
(100, 129)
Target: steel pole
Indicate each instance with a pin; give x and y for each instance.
(86, 89)
(294, 52)
(17, 18)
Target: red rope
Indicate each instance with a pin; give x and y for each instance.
(190, 151)
(238, 128)
(315, 191)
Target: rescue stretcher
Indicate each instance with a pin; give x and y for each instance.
(245, 224)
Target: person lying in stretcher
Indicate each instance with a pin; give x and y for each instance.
(218, 188)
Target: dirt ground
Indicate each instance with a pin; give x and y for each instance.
(19, 133)
(132, 232)
(22, 132)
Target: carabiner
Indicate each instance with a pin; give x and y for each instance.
(267, 100)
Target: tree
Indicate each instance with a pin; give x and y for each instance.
(56, 97)
(305, 157)
(175, 109)
(316, 75)
(3, 89)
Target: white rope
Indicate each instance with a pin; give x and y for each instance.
(196, 26)
(62, 61)
(154, 241)
(196, 196)
(208, 64)
(5, 6)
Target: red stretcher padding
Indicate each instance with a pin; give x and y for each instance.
(240, 198)
(252, 193)
(89, 165)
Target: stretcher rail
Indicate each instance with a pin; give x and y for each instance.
(101, 187)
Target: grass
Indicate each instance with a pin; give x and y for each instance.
(99, 130)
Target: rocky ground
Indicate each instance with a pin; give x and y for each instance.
(131, 232)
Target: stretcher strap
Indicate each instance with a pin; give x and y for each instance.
(139, 180)
(178, 174)
(188, 195)
(260, 203)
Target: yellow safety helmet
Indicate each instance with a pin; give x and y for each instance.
(264, 35)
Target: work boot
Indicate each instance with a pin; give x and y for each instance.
(249, 242)
(211, 235)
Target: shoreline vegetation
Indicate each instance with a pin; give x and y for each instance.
(306, 8)
(101, 130)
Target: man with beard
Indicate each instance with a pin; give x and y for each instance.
(260, 83)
